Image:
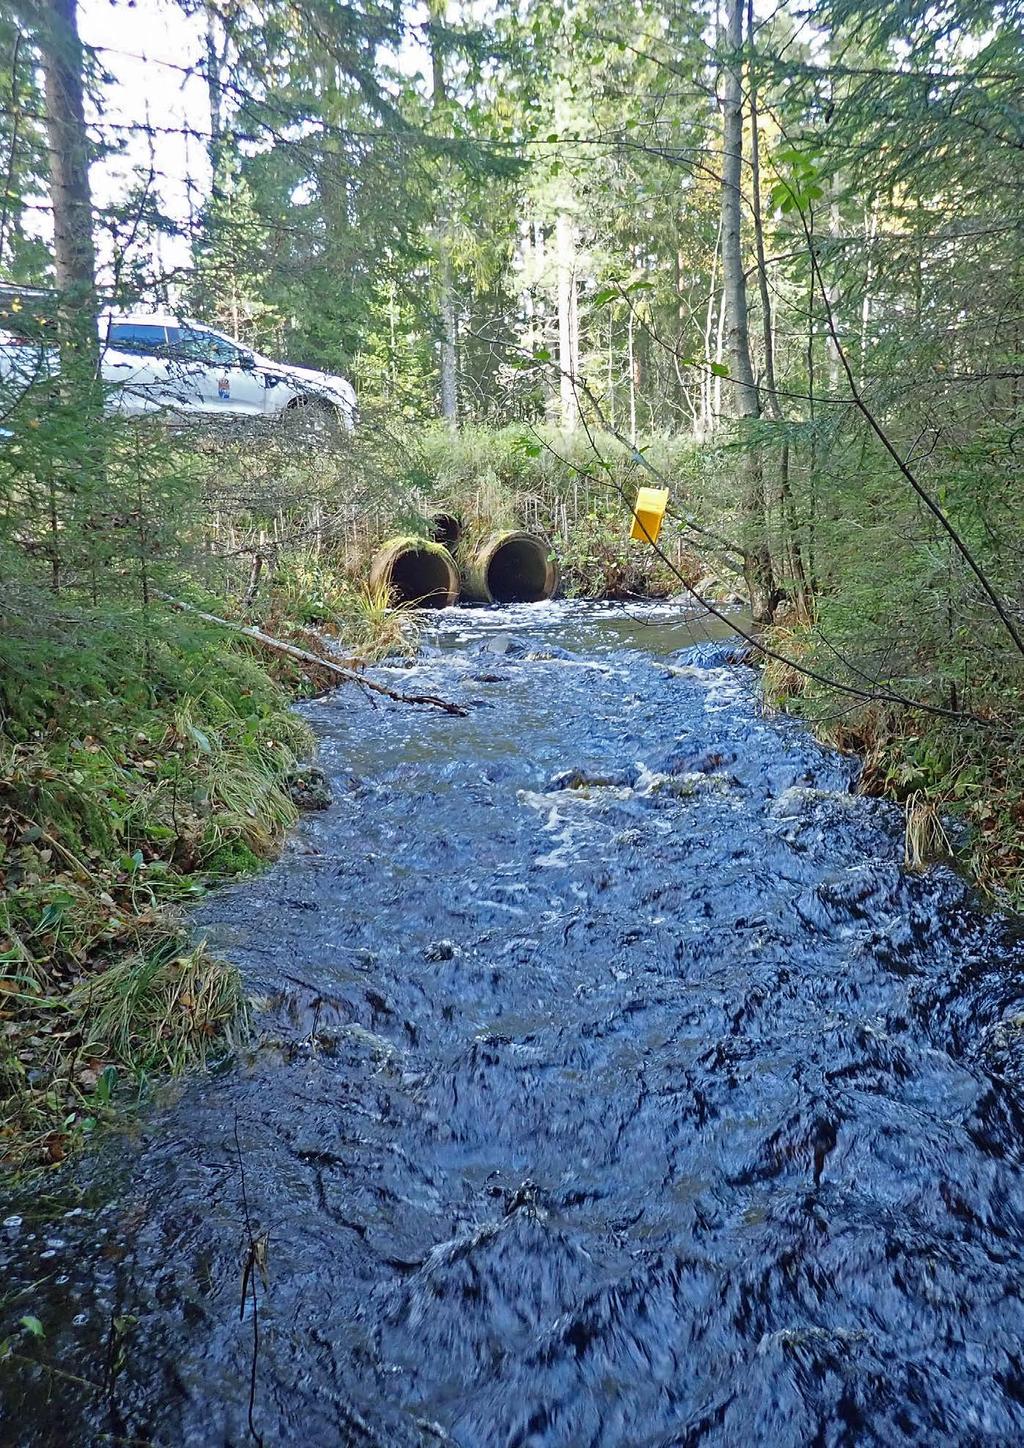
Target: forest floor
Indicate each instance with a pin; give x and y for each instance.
(113, 822)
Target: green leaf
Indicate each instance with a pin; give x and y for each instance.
(718, 369)
(51, 917)
(33, 1325)
(202, 740)
(606, 294)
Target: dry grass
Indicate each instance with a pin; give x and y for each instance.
(780, 680)
(375, 629)
(924, 838)
(161, 1012)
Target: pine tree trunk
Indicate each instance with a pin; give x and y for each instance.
(74, 269)
(789, 516)
(446, 286)
(74, 252)
(215, 95)
(742, 390)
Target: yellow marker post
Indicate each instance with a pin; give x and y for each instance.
(648, 513)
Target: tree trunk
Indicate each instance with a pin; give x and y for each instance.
(742, 389)
(568, 359)
(449, 338)
(74, 252)
(565, 270)
(446, 286)
(711, 340)
(771, 388)
(215, 94)
(632, 382)
(74, 267)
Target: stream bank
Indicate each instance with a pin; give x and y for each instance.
(616, 1085)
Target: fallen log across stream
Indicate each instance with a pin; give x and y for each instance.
(306, 656)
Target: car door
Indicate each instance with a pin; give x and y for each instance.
(136, 364)
(223, 372)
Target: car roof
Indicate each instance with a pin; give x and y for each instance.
(155, 319)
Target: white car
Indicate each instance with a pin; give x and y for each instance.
(159, 362)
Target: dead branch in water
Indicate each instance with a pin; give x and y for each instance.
(306, 656)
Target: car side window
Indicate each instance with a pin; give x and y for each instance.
(203, 346)
(138, 337)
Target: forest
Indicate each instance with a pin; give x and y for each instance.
(575, 1000)
(770, 258)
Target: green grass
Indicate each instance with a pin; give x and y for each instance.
(122, 799)
(164, 1011)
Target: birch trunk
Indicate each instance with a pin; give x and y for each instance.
(565, 262)
(565, 269)
(712, 337)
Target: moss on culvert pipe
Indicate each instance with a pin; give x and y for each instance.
(418, 573)
(510, 568)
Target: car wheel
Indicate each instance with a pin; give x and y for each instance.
(312, 417)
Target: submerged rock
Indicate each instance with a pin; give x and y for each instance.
(553, 653)
(439, 950)
(307, 788)
(800, 801)
(506, 645)
(714, 654)
(593, 779)
(686, 758)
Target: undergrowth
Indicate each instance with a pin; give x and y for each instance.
(960, 781)
(559, 486)
(124, 790)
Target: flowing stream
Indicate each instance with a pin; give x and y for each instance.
(615, 1085)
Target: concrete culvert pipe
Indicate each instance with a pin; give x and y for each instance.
(418, 572)
(445, 528)
(510, 568)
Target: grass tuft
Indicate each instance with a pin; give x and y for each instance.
(165, 1011)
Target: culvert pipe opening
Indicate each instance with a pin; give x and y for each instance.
(511, 568)
(420, 574)
(445, 528)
